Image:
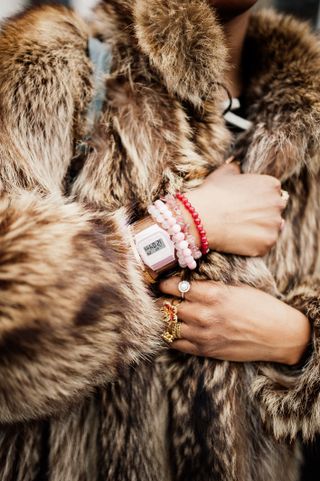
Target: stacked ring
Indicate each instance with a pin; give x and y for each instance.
(173, 326)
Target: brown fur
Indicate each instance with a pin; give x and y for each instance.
(74, 312)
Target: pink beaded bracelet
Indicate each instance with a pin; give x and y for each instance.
(174, 206)
(196, 218)
(165, 218)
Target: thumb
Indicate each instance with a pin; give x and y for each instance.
(230, 168)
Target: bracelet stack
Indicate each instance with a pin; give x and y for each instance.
(165, 218)
(167, 214)
(174, 206)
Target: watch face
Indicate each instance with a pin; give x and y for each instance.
(155, 247)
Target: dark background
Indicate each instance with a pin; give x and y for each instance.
(306, 9)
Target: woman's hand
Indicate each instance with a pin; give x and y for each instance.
(238, 324)
(240, 212)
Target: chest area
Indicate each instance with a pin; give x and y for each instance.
(148, 143)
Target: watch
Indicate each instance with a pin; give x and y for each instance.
(154, 246)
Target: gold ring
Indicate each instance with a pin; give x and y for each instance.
(173, 326)
(178, 330)
(176, 302)
(184, 287)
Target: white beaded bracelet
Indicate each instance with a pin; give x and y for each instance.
(161, 214)
(174, 206)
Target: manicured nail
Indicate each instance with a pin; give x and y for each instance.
(285, 195)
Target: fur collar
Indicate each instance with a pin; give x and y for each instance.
(183, 41)
(282, 60)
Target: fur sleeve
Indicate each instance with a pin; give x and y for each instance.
(290, 398)
(73, 308)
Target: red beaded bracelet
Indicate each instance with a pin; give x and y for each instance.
(196, 218)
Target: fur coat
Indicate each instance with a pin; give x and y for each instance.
(87, 390)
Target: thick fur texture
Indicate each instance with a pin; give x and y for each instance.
(78, 400)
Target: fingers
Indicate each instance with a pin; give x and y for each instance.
(285, 198)
(170, 286)
(185, 346)
(194, 316)
(230, 167)
(188, 332)
(190, 313)
(285, 195)
(195, 322)
(229, 160)
(233, 168)
(284, 202)
(201, 291)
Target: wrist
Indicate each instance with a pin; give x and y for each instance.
(302, 335)
(172, 234)
(152, 248)
(214, 232)
(296, 338)
(189, 220)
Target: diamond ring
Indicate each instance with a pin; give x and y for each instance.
(184, 287)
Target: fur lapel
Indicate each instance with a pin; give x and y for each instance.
(181, 39)
(184, 43)
(282, 59)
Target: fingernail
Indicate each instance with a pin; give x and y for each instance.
(283, 223)
(285, 195)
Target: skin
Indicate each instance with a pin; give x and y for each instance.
(229, 9)
(247, 215)
(238, 323)
(234, 15)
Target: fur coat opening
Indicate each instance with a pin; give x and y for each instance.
(87, 391)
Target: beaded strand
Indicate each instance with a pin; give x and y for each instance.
(174, 206)
(196, 218)
(165, 218)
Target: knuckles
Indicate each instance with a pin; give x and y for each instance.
(270, 238)
(205, 318)
(214, 294)
(212, 345)
(275, 184)
(266, 247)
(270, 182)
